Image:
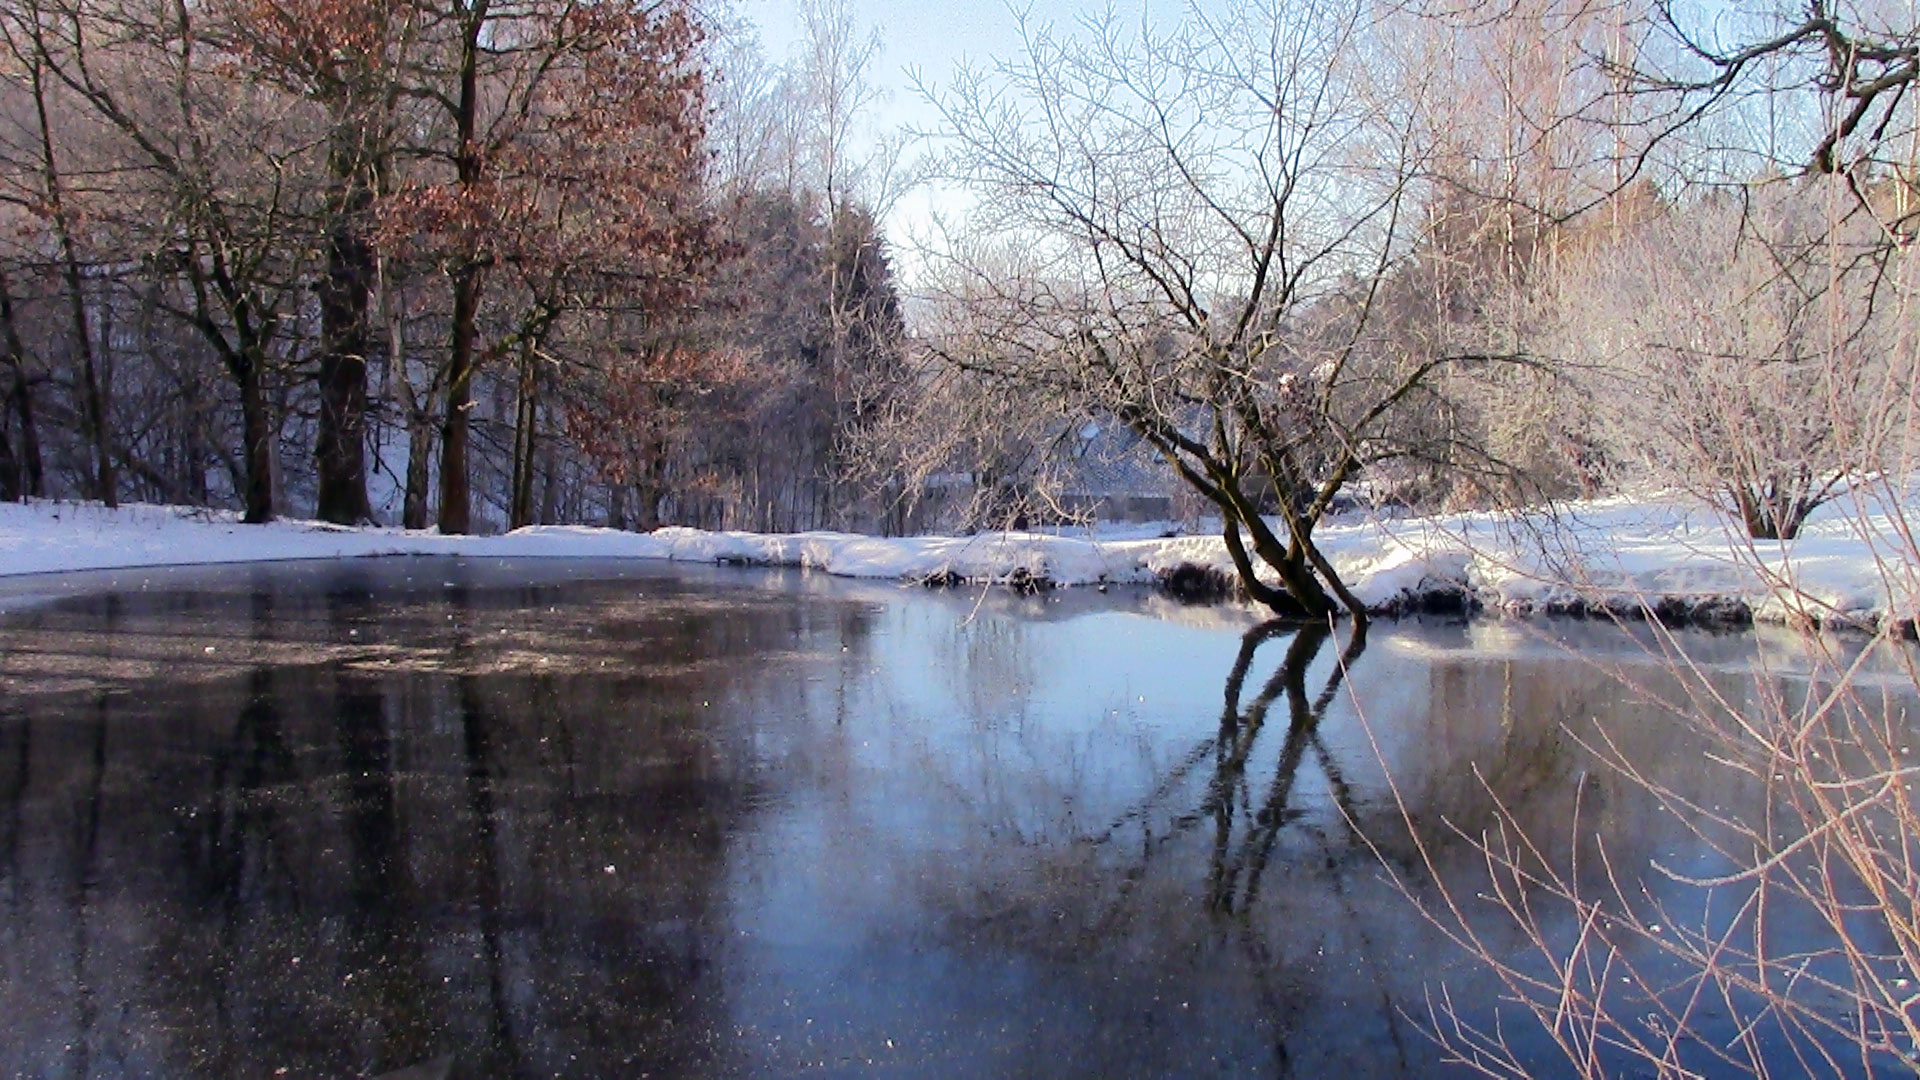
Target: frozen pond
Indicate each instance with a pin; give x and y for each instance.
(580, 819)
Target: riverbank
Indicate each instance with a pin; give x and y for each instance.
(1671, 558)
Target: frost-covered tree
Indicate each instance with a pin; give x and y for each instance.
(1194, 231)
(806, 297)
(1741, 345)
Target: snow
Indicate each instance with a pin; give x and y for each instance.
(1850, 564)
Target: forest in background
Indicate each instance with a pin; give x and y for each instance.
(472, 265)
(481, 263)
(478, 264)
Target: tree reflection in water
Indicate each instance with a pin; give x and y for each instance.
(370, 859)
(1237, 868)
(1248, 813)
(357, 818)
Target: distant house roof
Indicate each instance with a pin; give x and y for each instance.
(1108, 459)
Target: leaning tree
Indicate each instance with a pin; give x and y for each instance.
(1201, 234)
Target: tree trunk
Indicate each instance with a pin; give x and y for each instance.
(12, 483)
(24, 477)
(456, 512)
(525, 440)
(33, 477)
(1768, 514)
(257, 435)
(650, 487)
(1299, 595)
(93, 402)
(93, 398)
(345, 298)
(617, 505)
(455, 497)
(413, 514)
(193, 443)
(1297, 562)
(415, 405)
(549, 486)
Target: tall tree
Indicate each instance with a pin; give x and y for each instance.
(346, 57)
(1190, 233)
(205, 198)
(614, 244)
(26, 33)
(22, 472)
(505, 79)
(809, 178)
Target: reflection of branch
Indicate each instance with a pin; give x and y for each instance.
(476, 745)
(1249, 863)
(16, 797)
(1240, 728)
(86, 865)
(256, 750)
(1250, 642)
(1302, 734)
(1232, 720)
(1246, 869)
(1159, 794)
(1238, 862)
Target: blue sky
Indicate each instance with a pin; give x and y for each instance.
(935, 35)
(932, 37)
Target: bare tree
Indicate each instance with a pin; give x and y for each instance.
(836, 88)
(1730, 344)
(22, 471)
(204, 198)
(1855, 63)
(1199, 228)
(26, 34)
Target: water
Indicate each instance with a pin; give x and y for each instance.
(543, 819)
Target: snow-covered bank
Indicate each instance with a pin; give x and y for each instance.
(1673, 556)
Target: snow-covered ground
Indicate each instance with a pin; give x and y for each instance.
(1849, 565)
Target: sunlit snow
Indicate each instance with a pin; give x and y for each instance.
(1847, 565)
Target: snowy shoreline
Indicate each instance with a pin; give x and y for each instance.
(1668, 558)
